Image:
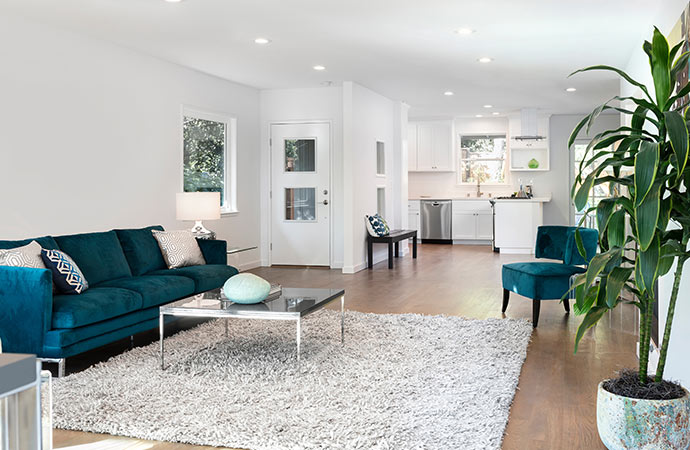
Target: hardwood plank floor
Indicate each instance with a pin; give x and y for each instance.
(555, 405)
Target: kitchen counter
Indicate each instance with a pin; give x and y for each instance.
(523, 200)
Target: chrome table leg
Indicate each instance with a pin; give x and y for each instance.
(342, 319)
(161, 331)
(299, 337)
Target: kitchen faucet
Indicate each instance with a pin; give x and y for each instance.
(479, 190)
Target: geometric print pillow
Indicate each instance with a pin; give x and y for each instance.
(179, 248)
(66, 275)
(26, 256)
(377, 226)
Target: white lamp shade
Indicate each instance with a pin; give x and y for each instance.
(198, 206)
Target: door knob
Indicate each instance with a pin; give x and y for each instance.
(325, 202)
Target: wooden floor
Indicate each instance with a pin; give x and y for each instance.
(554, 407)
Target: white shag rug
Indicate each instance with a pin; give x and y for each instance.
(404, 381)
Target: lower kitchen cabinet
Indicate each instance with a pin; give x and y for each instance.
(472, 220)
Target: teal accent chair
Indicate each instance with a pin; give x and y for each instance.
(549, 280)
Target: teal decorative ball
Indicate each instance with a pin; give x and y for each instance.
(246, 288)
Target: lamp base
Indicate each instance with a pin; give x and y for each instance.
(201, 232)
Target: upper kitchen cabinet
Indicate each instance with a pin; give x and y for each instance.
(529, 142)
(430, 146)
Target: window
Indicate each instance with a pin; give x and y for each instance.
(380, 158)
(483, 159)
(598, 192)
(209, 155)
(381, 201)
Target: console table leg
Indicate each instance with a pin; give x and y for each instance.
(161, 331)
(299, 336)
(342, 319)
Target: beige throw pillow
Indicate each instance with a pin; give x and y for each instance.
(179, 248)
(26, 256)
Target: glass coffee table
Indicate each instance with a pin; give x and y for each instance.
(293, 304)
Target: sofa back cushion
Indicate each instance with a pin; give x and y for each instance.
(98, 255)
(46, 242)
(141, 249)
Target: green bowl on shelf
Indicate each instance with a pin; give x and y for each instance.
(533, 164)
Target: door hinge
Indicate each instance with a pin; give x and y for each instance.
(270, 246)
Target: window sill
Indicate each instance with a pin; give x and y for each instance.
(228, 213)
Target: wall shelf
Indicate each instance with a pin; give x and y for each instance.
(521, 156)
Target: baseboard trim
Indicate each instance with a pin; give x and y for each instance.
(249, 265)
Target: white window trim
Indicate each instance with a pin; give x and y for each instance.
(506, 160)
(229, 207)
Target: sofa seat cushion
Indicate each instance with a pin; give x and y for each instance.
(206, 277)
(94, 305)
(98, 255)
(155, 290)
(539, 280)
(141, 249)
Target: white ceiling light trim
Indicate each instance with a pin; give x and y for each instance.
(485, 60)
(319, 67)
(571, 89)
(448, 93)
(479, 116)
(488, 106)
(464, 31)
(261, 40)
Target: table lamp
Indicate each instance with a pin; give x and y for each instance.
(198, 206)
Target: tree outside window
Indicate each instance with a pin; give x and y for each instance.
(204, 156)
(483, 159)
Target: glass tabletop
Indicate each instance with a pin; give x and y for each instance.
(293, 302)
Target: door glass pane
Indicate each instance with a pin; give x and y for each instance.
(300, 204)
(300, 155)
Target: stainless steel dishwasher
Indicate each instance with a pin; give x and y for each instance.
(436, 221)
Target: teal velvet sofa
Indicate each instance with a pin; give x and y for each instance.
(549, 280)
(128, 281)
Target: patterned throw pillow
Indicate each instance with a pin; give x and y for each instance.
(67, 277)
(377, 226)
(27, 256)
(179, 248)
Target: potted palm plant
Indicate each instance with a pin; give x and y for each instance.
(644, 228)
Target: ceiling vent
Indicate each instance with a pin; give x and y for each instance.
(528, 126)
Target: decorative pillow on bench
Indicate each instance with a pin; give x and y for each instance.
(179, 248)
(67, 277)
(377, 226)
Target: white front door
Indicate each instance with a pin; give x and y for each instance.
(300, 194)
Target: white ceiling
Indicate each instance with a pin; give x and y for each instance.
(404, 49)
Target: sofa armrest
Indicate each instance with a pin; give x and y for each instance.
(26, 306)
(214, 251)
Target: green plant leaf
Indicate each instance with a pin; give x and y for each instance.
(679, 65)
(588, 322)
(661, 68)
(623, 75)
(580, 245)
(597, 265)
(646, 218)
(674, 50)
(678, 135)
(582, 194)
(648, 260)
(616, 229)
(604, 210)
(665, 206)
(614, 284)
(646, 163)
(577, 129)
(666, 259)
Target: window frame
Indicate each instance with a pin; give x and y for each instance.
(229, 202)
(460, 161)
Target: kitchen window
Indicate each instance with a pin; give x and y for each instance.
(209, 161)
(482, 160)
(598, 192)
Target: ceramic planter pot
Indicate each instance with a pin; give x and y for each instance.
(629, 423)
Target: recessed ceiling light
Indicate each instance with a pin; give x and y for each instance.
(495, 113)
(319, 67)
(485, 60)
(488, 106)
(262, 41)
(448, 93)
(173, 1)
(464, 31)
(571, 89)
(478, 115)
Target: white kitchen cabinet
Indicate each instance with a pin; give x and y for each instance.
(516, 224)
(432, 150)
(472, 220)
(414, 218)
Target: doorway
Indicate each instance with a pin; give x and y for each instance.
(300, 194)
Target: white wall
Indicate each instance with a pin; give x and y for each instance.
(90, 137)
(555, 182)
(368, 117)
(304, 105)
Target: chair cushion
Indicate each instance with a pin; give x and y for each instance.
(141, 249)
(539, 280)
(155, 290)
(94, 305)
(98, 255)
(206, 277)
